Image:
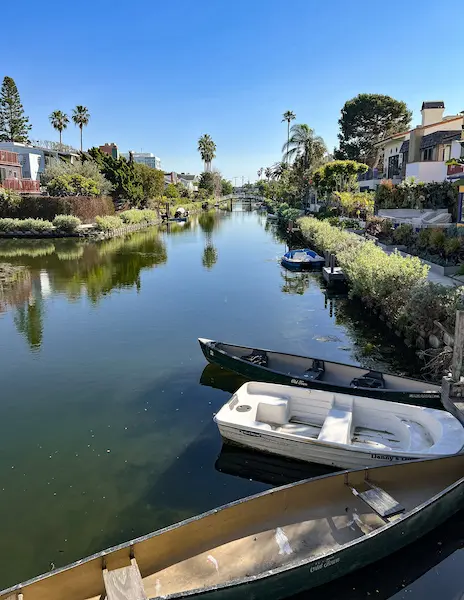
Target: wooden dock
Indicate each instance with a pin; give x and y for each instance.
(332, 274)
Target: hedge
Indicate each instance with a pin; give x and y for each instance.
(108, 223)
(391, 283)
(48, 207)
(135, 215)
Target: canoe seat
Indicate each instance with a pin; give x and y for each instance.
(378, 499)
(370, 380)
(337, 426)
(124, 583)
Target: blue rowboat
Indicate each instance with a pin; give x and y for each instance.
(304, 258)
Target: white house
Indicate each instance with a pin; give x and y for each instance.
(420, 152)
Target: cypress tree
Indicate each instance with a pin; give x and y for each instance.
(14, 125)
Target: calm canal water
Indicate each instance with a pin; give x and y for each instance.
(106, 405)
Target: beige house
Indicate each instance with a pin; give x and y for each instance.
(421, 152)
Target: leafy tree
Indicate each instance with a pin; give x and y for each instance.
(14, 125)
(207, 182)
(152, 180)
(227, 187)
(338, 176)
(171, 191)
(367, 119)
(121, 174)
(81, 118)
(59, 121)
(207, 150)
(72, 185)
(288, 116)
(183, 190)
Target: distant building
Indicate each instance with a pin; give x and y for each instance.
(145, 158)
(11, 174)
(110, 149)
(34, 157)
(190, 181)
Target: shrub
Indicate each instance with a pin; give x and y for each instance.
(87, 169)
(66, 223)
(403, 234)
(437, 239)
(135, 215)
(423, 238)
(382, 280)
(73, 185)
(452, 246)
(108, 223)
(7, 225)
(172, 191)
(34, 225)
(9, 200)
(48, 207)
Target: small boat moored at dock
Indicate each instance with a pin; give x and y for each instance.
(272, 545)
(257, 364)
(337, 430)
(304, 258)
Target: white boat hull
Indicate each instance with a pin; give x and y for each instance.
(338, 430)
(307, 451)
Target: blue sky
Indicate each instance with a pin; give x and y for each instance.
(157, 75)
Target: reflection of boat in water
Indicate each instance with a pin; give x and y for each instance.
(221, 379)
(265, 468)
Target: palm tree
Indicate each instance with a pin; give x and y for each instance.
(59, 121)
(268, 173)
(207, 150)
(288, 116)
(81, 118)
(260, 172)
(306, 147)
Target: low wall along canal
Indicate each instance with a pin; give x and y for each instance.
(107, 401)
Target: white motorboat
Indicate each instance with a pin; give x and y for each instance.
(341, 430)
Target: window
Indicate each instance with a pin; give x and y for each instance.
(447, 152)
(427, 154)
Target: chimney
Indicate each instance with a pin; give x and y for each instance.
(432, 112)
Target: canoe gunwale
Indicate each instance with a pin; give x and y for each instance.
(242, 581)
(214, 345)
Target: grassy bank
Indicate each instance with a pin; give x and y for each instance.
(395, 286)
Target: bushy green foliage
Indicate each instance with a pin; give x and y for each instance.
(152, 180)
(354, 204)
(26, 225)
(66, 223)
(135, 216)
(227, 187)
(412, 194)
(122, 174)
(403, 234)
(87, 168)
(73, 185)
(171, 191)
(108, 223)
(338, 176)
(48, 207)
(382, 280)
(9, 201)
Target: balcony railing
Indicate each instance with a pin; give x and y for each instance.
(21, 185)
(371, 174)
(10, 158)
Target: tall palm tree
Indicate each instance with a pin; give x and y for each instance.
(288, 116)
(81, 118)
(306, 147)
(59, 121)
(260, 172)
(268, 173)
(207, 150)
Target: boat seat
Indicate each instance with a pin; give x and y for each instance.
(370, 380)
(337, 426)
(273, 411)
(316, 371)
(379, 500)
(124, 583)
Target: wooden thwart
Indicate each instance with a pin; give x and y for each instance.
(378, 499)
(124, 583)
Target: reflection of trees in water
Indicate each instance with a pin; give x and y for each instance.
(210, 256)
(295, 283)
(29, 320)
(75, 267)
(15, 291)
(208, 222)
(174, 228)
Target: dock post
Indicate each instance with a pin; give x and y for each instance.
(452, 387)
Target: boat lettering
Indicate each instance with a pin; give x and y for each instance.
(424, 395)
(391, 458)
(211, 353)
(299, 382)
(323, 564)
(250, 433)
